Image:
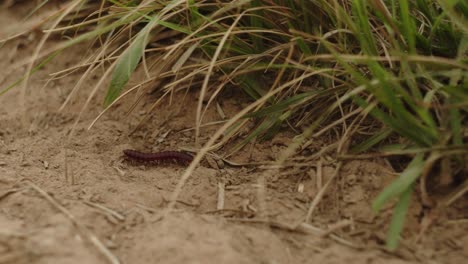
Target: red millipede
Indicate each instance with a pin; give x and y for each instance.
(162, 156)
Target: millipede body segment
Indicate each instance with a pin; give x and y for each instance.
(156, 157)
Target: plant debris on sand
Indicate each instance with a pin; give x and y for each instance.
(321, 131)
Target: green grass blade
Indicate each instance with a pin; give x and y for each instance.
(99, 31)
(281, 106)
(456, 126)
(400, 185)
(130, 58)
(251, 86)
(256, 22)
(407, 25)
(266, 124)
(124, 68)
(364, 33)
(398, 218)
(32, 12)
(372, 141)
(402, 127)
(450, 8)
(303, 46)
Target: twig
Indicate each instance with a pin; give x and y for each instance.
(301, 228)
(144, 207)
(220, 204)
(105, 209)
(445, 151)
(310, 228)
(320, 194)
(279, 225)
(336, 226)
(227, 210)
(456, 194)
(81, 228)
(319, 179)
(457, 221)
(430, 162)
(9, 192)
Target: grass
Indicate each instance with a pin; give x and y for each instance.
(400, 66)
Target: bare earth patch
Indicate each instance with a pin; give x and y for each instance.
(79, 202)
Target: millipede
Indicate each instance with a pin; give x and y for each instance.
(158, 157)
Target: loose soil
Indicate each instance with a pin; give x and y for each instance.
(73, 199)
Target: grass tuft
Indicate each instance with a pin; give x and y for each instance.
(305, 65)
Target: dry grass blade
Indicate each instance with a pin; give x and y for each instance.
(457, 194)
(320, 194)
(9, 192)
(91, 67)
(337, 226)
(106, 210)
(204, 150)
(387, 74)
(221, 191)
(118, 99)
(412, 58)
(40, 45)
(208, 75)
(81, 228)
(303, 228)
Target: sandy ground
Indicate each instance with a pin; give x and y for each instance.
(72, 199)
